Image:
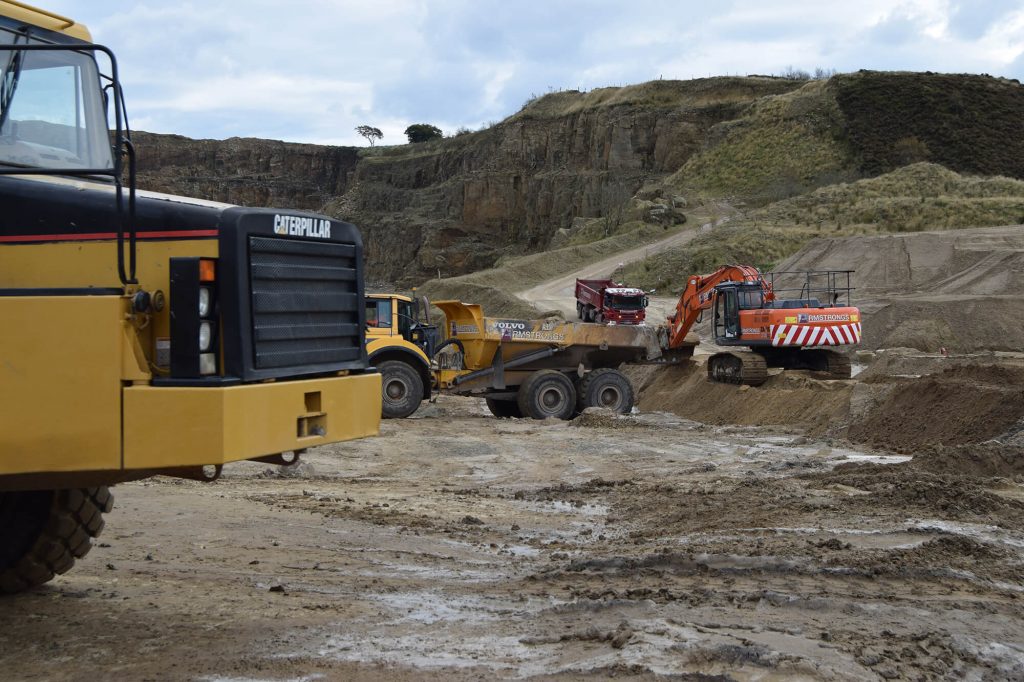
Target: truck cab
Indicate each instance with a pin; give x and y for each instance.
(606, 302)
(400, 344)
(624, 305)
(145, 333)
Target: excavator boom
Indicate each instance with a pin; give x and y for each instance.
(699, 296)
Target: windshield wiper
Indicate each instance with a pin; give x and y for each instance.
(12, 72)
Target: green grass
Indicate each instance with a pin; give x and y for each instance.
(730, 243)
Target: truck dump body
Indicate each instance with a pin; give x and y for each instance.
(493, 348)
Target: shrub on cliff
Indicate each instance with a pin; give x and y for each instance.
(423, 132)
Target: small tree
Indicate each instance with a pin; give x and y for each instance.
(422, 132)
(370, 133)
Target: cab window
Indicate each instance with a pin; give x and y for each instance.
(51, 110)
(406, 317)
(378, 313)
(751, 299)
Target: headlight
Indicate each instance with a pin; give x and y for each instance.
(204, 302)
(205, 334)
(207, 363)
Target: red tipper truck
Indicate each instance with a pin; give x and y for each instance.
(604, 301)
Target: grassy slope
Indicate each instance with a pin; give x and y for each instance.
(968, 123)
(784, 145)
(917, 197)
(700, 92)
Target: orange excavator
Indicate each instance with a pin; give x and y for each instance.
(779, 326)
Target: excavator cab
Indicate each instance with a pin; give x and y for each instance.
(730, 299)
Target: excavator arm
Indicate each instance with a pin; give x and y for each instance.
(699, 296)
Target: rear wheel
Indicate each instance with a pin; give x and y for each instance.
(401, 389)
(547, 393)
(503, 408)
(607, 388)
(579, 310)
(42, 532)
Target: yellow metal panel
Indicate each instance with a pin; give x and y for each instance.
(394, 342)
(94, 264)
(60, 383)
(385, 297)
(174, 427)
(44, 19)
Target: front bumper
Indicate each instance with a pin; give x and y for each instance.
(171, 427)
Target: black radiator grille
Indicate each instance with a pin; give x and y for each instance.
(305, 302)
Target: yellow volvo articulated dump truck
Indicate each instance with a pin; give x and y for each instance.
(522, 368)
(142, 333)
(400, 346)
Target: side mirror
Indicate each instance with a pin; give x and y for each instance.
(425, 302)
(647, 301)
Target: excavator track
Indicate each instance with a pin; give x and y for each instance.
(738, 367)
(839, 366)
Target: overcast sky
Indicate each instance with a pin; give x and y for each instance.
(312, 70)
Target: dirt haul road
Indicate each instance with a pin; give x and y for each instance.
(560, 294)
(458, 546)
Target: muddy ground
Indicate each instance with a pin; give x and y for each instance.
(458, 546)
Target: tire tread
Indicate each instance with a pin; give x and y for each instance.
(75, 518)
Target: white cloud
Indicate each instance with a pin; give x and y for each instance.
(312, 70)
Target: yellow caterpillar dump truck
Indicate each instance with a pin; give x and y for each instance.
(522, 368)
(144, 333)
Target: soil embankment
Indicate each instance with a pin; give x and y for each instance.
(962, 290)
(951, 402)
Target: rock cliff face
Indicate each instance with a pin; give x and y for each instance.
(458, 204)
(245, 171)
(599, 159)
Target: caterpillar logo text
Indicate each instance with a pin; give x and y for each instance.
(298, 226)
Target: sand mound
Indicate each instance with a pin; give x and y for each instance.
(957, 406)
(793, 398)
(956, 403)
(979, 261)
(959, 289)
(925, 493)
(987, 460)
(601, 417)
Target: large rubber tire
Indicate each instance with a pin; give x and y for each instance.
(401, 389)
(42, 532)
(503, 408)
(579, 310)
(608, 388)
(547, 393)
